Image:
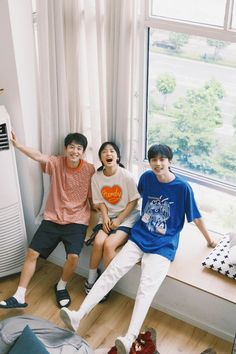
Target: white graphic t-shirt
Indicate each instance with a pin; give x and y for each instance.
(116, 192)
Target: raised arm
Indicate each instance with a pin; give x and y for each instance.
(211, 242)
(30, 152)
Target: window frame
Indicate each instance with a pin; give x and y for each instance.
(225, 33)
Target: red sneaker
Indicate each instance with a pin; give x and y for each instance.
(113, 350)
(145, 343)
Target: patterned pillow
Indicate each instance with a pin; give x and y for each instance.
(218, 259)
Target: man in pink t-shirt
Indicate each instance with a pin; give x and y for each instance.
(66, 215)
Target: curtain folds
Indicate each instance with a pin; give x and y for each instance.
(88, 59)
(124, 76)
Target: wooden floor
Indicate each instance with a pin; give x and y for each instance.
(110, 319)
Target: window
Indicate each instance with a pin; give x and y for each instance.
(191, 97)
(191, 10)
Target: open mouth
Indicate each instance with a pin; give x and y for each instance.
(109, 160)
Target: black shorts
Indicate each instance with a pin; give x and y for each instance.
(50, 234)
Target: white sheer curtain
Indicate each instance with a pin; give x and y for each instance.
(124, 60)
(69, 68)
(88, 57)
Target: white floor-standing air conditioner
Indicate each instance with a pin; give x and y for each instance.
(13, 240)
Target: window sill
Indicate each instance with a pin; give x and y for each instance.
(187, 267)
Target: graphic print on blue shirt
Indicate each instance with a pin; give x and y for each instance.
(156, 213)
(164, 209)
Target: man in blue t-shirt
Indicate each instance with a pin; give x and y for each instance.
(166, 200)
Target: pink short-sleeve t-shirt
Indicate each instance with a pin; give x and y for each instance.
(69, 191)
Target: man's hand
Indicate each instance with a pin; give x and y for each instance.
(212, 244)
(13, 138)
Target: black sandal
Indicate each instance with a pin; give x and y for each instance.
(62, 295)
(12, 303)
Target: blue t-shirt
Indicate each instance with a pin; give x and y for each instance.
(164, 207)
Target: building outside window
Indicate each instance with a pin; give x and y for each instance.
(191, 98)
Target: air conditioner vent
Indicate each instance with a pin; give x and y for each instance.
(13, 240)
(12, 251)
(4, 142)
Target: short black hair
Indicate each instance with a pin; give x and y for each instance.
(160, 150)
(77, 138)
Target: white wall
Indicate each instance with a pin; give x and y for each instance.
(18, 78)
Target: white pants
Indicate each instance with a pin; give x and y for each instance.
(154, 269)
